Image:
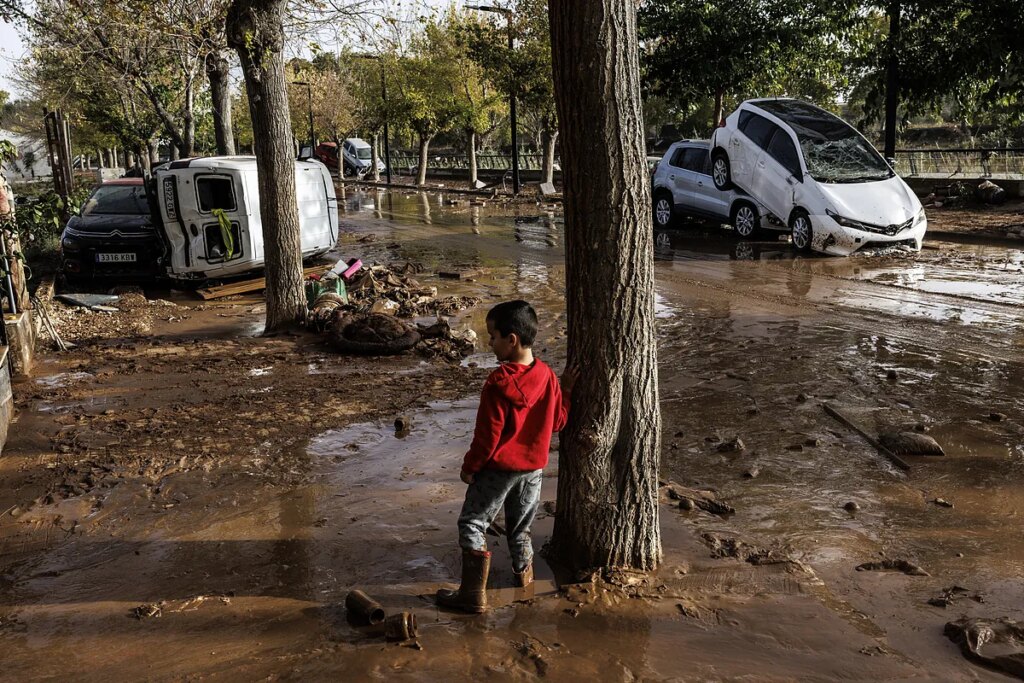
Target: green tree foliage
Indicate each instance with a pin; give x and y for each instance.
(697, 51)
(961, 56)
(330, 93)
(524, 70)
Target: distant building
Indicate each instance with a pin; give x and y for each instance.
(32, 162)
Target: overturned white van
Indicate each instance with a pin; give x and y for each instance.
(210, 214)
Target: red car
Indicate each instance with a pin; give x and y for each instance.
(327, 154)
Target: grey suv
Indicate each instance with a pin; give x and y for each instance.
(682, 185)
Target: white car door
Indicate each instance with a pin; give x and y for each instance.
(755, 131)
(777, 172)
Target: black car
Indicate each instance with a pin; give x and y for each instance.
(114, 237)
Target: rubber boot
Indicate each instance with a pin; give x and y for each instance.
(471, 596)
(525, 577)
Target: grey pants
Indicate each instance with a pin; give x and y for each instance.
(520, 494)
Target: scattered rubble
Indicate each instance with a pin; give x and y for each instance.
(903, 566)
(723, 546)
(370, 334)
(733, 445)
(910, 443)
(689, 499)
(953, 594)
(1004, 636)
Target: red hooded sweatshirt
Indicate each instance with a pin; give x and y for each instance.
(520, 407)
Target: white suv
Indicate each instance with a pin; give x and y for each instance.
(819, 174)
(682, 184)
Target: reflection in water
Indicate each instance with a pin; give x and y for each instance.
(474, 219)
(425, 208)
(551, 237)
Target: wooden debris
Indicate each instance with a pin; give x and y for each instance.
(895, 459)
(246, 286)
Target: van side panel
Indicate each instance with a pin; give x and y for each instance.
(315, 225)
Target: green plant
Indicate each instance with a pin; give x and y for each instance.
(39, 221)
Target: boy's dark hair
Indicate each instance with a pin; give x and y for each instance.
(515, 316)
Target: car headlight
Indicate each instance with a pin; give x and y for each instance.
(849, 222)
(920, 217)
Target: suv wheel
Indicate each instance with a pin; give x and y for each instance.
(663, 210)
(745, 220)
(800, 224)
(721, 174)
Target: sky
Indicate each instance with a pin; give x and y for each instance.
(11, 50)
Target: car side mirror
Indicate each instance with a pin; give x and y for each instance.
(793, 180)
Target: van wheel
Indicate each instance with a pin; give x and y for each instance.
(745, 220)
(721, 173)
(802, 233)
(663, 210)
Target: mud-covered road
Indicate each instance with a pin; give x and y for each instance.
(196, 502)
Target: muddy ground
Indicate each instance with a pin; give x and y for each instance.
(182, 498)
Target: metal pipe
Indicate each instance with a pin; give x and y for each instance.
(364, 607)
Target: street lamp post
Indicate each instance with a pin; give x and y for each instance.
(512, 91)
(309, 103)
(384, 100)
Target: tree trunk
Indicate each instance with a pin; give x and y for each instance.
(716, 114)
(608, 466)
(218, 71)
(154, 152)
(471, 151)
(255, 30)
(373, 157)
(892, 78)
(142, 152)
(174, 152)
(548, 139)
(421, 176)
(188, 149)
(129, 159)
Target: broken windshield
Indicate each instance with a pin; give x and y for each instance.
(833, 150)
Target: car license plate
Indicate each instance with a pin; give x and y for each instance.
(115, 258)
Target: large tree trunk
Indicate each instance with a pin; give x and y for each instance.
(255, 30)
(548, 139)
(471, 151)
(218, 71)
(608, 466)
(154, 152)
(421, 176)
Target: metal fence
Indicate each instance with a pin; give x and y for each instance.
(978, 162)
(408, 162)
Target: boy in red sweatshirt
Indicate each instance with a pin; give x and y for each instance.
(521, 405)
